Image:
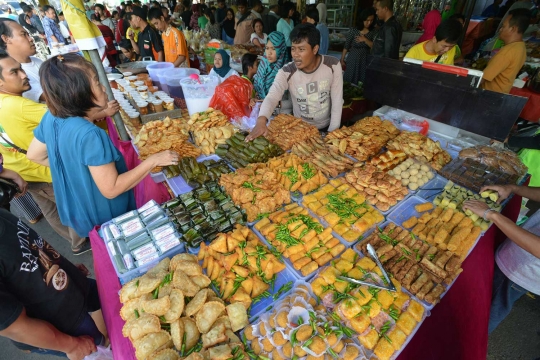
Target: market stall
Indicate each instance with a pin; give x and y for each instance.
(353, 245)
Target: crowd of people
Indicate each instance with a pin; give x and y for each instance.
(49, 108)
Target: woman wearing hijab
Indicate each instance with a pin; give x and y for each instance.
(228, 31)
(194, 22)
(276, 56)
(430, 23)
(221, 68)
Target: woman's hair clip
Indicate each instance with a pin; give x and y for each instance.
(60, 58)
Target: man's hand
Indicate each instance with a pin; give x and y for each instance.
(131, 34)
(112, 108)
(504, 191)
(83, 269)
(252, 103)
(84, 346)
(260, 129)
(476, 206)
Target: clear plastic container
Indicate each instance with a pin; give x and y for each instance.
(154, 68)
(172, 80)
(198, 95)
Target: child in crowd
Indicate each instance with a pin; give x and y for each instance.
(127, 50)
(250, 64)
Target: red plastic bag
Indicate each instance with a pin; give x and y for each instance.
(232, 97)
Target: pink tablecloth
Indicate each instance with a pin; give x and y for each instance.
(146, 189)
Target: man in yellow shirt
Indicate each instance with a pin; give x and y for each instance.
(18, 119)
(502, 69)
(441, 48)
(174, 42)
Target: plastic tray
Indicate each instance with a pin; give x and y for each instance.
(282, 278)
(405, 210)
(426, 305)
(336, 235)
(178, 185)
(288, 263)
(438, 182)
(139, 271)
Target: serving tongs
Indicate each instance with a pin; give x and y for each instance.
(373, 254)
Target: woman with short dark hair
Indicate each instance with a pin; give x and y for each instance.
(358, 44)
(91, 181)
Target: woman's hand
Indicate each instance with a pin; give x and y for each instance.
(360, 38)
(342, 61)
(504, 191)
(260, 129)
(112, 108)
(476, 206)
(164, 158)
(252, 103)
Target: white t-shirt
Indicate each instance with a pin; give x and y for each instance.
(518, 265)
(321, 7)
(231, 72)
(32, 71)
(262, 41)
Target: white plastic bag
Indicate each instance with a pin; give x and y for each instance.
(102, 353)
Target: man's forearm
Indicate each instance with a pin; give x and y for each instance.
(40, 334)
(135, 46)
(53, 38)
(179, 60)
(161, 56)
(529, 192)
(523, 238)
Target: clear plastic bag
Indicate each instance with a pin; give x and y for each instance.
(247, 123)
(102, 353)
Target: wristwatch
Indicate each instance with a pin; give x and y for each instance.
(485, 213)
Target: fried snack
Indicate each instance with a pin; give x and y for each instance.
(151, 343)
(499, 158)
(419, 146)
(423, 207)
(419, 267)
(177, 306)
(286, 130)
(300, 238)
(410, 223)
(207, 119)
(238, 316)
(296, 174)
(220, 259)
(256, 189)
(206, 311)
(389, 159)
(209, 138)
(325, 158)
(380, 189)
(138, 327)
(157, 307)
(364, 139)
(165, 354)
(208, 314)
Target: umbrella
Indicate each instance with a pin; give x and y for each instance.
(90, 39)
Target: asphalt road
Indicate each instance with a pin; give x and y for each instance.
(517, 338)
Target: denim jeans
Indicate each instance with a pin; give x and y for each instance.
(226, 38)
(504, 294)
(86, 327)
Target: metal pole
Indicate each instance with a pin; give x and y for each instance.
(469, 8)
(96, 60)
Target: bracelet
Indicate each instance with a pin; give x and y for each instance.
(485, 213)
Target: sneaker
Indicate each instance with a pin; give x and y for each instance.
(85, 247)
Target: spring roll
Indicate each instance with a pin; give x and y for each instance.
(411, 275)
(404, 269)
(428, 265)
(421, 281)
(434, 296)
(425, 289)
